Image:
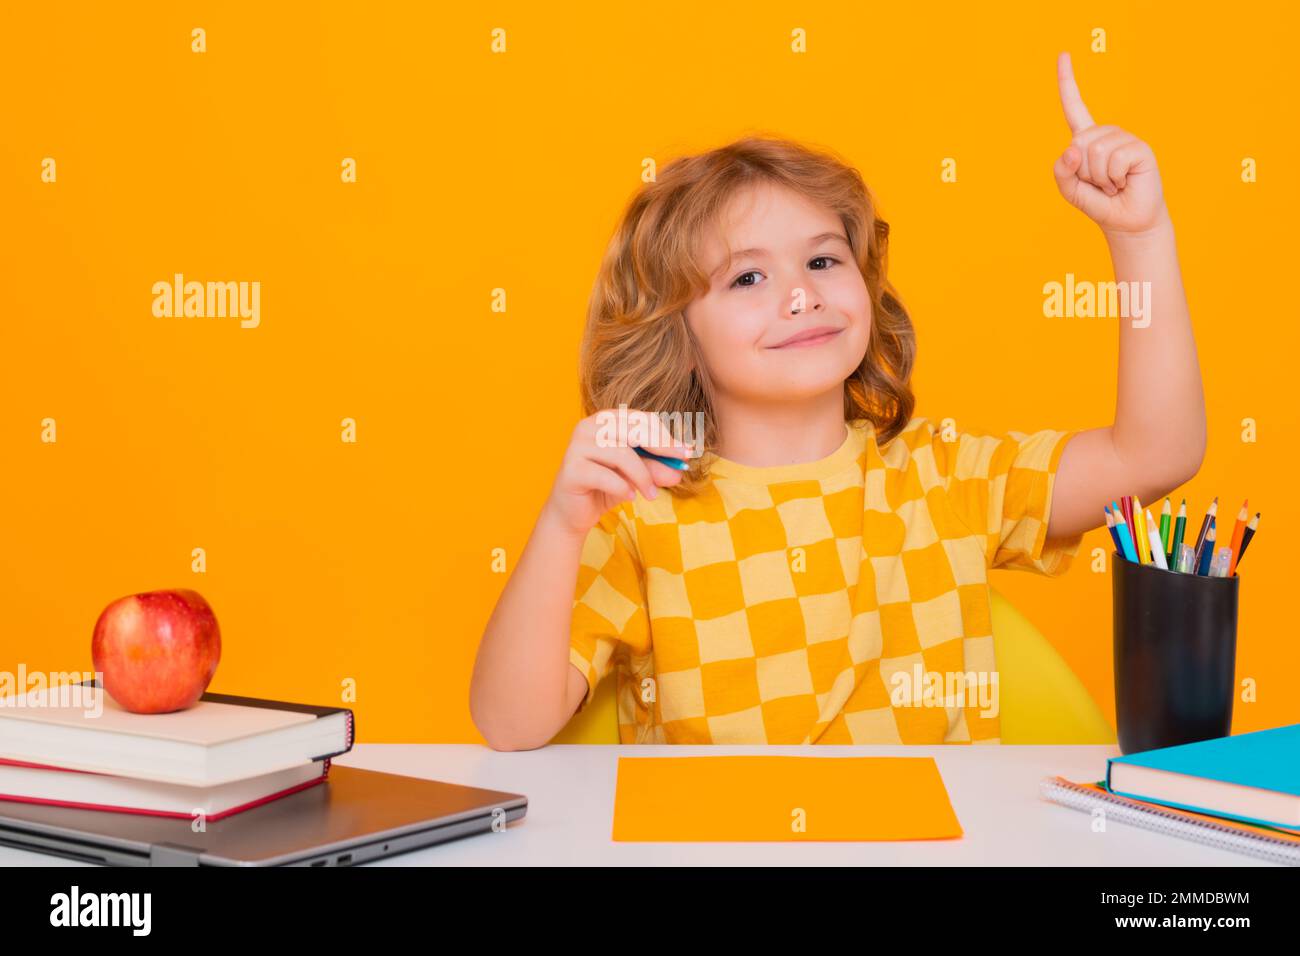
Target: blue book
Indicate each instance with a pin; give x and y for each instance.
(1254, 778)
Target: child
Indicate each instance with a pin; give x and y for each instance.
(827, 548)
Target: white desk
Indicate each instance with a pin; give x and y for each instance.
(570, 790)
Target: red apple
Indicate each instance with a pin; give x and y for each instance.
(157, 651)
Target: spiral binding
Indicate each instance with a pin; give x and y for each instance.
(1275, 850)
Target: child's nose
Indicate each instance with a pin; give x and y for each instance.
(803, 299)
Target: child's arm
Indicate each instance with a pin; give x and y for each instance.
(521, 689)
(1158, 439)
(524, 689)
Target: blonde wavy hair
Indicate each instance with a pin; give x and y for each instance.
(637, 347)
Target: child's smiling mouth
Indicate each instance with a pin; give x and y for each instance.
(809, 337)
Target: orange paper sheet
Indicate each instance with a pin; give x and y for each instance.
(764, 799)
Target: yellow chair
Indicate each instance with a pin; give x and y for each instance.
(1041, 701)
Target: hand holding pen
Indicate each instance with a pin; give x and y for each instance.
(597, 474)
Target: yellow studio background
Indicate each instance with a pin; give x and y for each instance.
(372, 561)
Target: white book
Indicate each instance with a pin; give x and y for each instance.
(221, 739)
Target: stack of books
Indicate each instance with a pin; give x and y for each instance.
(74, 746)
(1239, 793)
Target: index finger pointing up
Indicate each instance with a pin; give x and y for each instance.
(1076, 114)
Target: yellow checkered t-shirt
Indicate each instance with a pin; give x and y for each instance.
(797, 604)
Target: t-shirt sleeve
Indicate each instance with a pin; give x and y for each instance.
(609, 607)
(1001, 487)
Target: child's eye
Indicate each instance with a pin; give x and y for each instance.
(752, 272)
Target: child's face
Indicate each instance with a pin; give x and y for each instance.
(754, 305)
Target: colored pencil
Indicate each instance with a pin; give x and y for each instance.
(1126, 539)
(1237, 531)
(1207, 551)
(1140, 525)
(1250, 533)
(1157, 549)
(1110, 526)
(1205, 526)
(1166, 520)
(1179, 527)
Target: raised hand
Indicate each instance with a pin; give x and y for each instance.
(1106, 172)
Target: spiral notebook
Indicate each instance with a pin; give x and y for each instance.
(1275, 844)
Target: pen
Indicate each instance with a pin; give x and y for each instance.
(677, 463)
(1219, 566)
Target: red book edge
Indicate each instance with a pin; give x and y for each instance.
(325, 770)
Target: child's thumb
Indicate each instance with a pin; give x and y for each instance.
(1067, 164)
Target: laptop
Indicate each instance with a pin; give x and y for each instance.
(353, 817)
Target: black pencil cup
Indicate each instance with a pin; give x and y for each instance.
(1175, 655)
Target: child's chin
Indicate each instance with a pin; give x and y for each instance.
(825, 369)
(798, 388)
